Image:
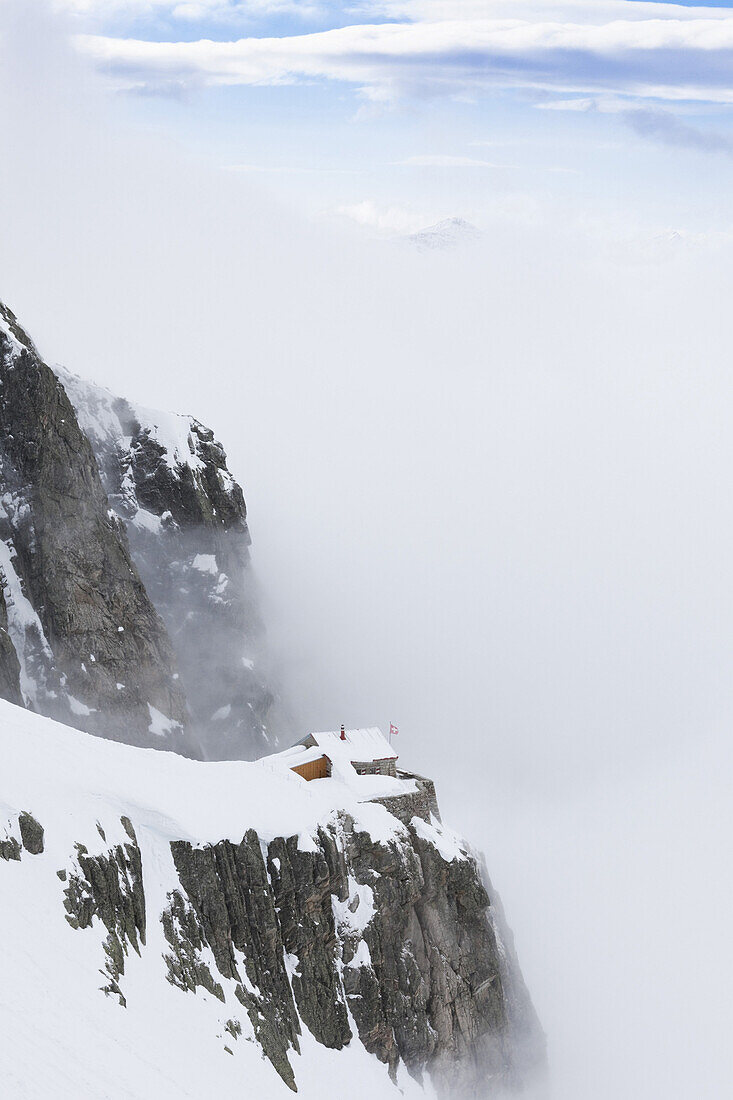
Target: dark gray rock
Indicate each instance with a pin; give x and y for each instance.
(31, 833)
(426, 967)
(10, 849)
(356, 940)
(109, 888)
(96, 627)
(437, 987)
(31, 839)
(125, 566)
(302, 884)
(183, 931)
(9, 663)
(229, 896)
(107, 520)
(167, 480)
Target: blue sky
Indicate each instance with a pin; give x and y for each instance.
(387, 114)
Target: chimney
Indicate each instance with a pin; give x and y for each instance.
(343, 734)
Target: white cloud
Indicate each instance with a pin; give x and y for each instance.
(433, 160)
(655, 125)
(108, 12)
(669, 57)
(392, 219)
(558, 11)
(586, 11)
(604, 105)
(181, 8)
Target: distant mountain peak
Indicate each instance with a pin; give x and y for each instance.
(448, 233)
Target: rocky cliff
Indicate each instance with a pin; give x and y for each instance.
(178, 928)
(124, 563)
(323, 930)
(167, 481)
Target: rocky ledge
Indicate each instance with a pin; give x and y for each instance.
(393, 942)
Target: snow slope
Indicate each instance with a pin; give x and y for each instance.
(60, 1036)
(448, 234)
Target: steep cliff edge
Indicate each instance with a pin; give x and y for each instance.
(175, 928)
(167, 480)
(231, 927)
(91, 648)
(124, 567)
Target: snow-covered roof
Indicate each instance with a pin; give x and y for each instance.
(299, 754)
(359, 746)
(366, 744)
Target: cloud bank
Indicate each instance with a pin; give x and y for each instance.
(641, 50)
(663, 127)
(189, 10)
(490, 500)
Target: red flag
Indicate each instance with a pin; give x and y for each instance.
(392, 730)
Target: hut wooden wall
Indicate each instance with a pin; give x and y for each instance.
(315, 769)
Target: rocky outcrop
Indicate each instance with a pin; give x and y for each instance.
(298, 924)
(167, 480)
(31, 833)
(428, 974)
(92, 649)
(29, 839)
(9, 663)
(226, 904)
(302, 886)
(109, 888)
(128, 607)
(395, 944)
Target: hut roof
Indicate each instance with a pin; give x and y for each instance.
(364, 744)
(359, 746)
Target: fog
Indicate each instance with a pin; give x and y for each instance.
(489, 495)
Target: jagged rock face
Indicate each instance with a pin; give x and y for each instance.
(227, 904)
(31, 833)
(394, 945)
(93, 651)
(322, 934)
(128, 605)
(109, 888)
(9, 663)
(30, 839)
(166, 478)
(425, 975)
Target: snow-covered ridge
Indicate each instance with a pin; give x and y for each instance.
(49, 768)
(96, 800)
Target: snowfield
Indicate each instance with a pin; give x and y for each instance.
(60, 1036)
